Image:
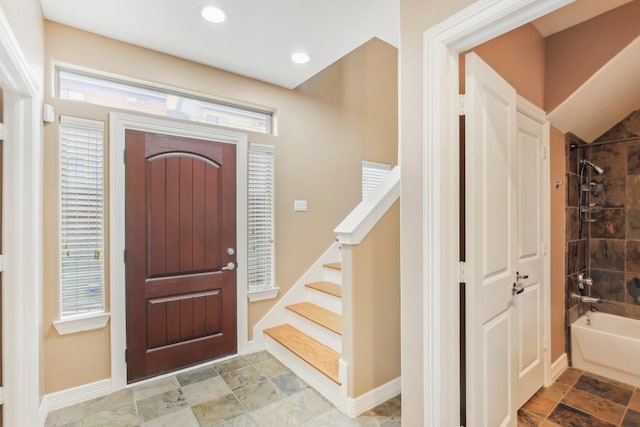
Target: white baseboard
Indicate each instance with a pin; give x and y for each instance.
(71, 396)
(373, 398)
(558, 367)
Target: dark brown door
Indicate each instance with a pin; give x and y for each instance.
(180, 233)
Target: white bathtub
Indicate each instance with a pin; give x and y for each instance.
(607, 345)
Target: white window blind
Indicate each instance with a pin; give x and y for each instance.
(261, 218)
(81, 216)
(372, 174)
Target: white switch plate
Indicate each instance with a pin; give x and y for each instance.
(300, 205)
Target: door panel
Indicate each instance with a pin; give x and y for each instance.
(180, 218)
(491, 231)
(528, 305)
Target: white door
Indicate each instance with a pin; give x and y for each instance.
(492, 253)
(528, 309)
(505, 250)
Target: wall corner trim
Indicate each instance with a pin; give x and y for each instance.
(558, 367)
(372, 398)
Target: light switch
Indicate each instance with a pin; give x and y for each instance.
(300, 205)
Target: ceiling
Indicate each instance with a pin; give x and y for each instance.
(257, 39)
(573, 14)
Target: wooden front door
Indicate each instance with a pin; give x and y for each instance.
(180, 252)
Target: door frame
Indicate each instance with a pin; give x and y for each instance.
(118, 124)
(22, 257)
(442, 44)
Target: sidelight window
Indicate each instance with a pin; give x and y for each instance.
(261, 251)
(81, 216)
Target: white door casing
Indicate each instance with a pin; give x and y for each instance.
(491, 236)
(528, 308)
(481, 21)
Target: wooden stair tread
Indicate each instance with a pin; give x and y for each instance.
(311, 351)
(318, 315)
(327, 288)
(333, 266)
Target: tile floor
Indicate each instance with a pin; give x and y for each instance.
(254, 390)
(582, 399)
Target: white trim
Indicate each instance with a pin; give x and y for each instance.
(373, 398)
(22, 219)
(263, 294)
(81, 322)
(481, 21)
(366, 215)
(118, 123)
(557, 368)
(72, 396)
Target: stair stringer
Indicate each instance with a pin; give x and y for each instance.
(278, 313)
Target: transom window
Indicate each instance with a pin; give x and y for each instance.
(119, 93)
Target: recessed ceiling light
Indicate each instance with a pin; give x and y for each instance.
(213, 14)
(300, 58)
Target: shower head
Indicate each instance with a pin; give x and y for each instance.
(596, 168)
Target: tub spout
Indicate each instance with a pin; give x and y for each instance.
(591, 300)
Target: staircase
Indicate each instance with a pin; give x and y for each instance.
(309, 342)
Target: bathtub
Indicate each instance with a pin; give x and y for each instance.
(607, 345)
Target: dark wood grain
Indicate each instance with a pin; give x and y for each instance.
(180, 218)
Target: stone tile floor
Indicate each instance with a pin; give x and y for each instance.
(582, 399)
(254, 390)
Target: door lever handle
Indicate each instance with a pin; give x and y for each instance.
(230, 266)
(515, 290)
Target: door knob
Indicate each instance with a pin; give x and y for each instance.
(230, 266)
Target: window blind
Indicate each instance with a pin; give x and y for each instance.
(261, 253)
(372, 174)
(81, 215)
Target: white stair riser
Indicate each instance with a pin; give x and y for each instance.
(324, 300)
(330, 390)
(315, 331)
(333, 276)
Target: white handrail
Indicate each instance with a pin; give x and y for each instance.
(354, 228)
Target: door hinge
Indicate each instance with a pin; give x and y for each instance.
(1, 263)
(124, 255)
(462, 272)
(544, 248)
(1, 131)
(545, 345)
(126, 355)
(124, 156)
(462, 111)
(544, 153)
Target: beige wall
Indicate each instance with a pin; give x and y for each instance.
(557, 244)
(326, 127)
(416, 16)
(573, 55)
(376, 306)
(25, 18)
(519, 57)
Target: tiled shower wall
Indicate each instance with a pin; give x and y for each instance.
(614, 238)
(608, 249)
